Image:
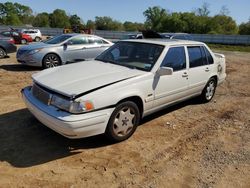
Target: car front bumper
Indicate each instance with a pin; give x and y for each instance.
(69, 125)
(31, 60)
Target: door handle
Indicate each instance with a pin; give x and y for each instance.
(207, 69)
(185, 75)
(84, 48)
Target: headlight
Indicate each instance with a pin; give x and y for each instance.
(74, 107)
(35, 51)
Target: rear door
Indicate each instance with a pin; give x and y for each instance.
(199, 68)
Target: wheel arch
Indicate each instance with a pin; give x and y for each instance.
(214, 77)
(137, 100)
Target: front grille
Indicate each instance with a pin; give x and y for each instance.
(41, 95)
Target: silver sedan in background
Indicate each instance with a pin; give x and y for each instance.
(62, 49)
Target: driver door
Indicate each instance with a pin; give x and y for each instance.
(74, 49)
(170, 88)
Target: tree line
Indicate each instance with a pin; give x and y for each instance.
(157, 18)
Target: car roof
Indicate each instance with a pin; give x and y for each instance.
(79, 34)
(166, 42)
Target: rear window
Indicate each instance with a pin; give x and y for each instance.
(195, 56)
(209, 56)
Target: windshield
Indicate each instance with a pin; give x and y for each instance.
(135, 55)
(57, 39)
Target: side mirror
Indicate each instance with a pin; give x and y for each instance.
(165, 71)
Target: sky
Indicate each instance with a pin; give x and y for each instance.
(132, 10)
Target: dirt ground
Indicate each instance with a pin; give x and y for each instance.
(187, 145)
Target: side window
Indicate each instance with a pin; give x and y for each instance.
(195, 56)
(78, 41)
(104, 42)
(209, 56)
(181, 37)
(175, 58)
(7, 33)
(93, 40)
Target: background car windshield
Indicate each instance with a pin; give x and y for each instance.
(132, 54)
(57, 39)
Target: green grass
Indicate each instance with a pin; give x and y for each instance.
(229, 47)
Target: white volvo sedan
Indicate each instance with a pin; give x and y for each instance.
(127, 82)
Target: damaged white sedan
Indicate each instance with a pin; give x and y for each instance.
(127, 82)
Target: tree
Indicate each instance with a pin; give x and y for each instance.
(75, 20)
(154, 18)
(224, 11)
(244, 28)
(15, 14)
(107, 23)
(41, 20)
(12, 19)
(174, 23)
(222, 24)
(133, 26)
(90, 24)
(203, 10)
(59, 19)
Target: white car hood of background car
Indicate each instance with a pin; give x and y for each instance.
(74, 79)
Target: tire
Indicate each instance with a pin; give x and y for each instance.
(2, 53)
(23, 41)
(209, 90)
(123, 121)
(51, 60)
(37, 39)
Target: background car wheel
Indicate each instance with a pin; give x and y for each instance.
(23, 41)
(209, 90)
(37, 39)
(51, 60)
(123, 121)
(2, 53)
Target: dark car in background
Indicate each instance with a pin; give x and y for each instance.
(6, 48)
(7, 39)
(19, 38)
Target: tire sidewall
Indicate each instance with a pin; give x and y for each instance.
(203, 95)
(4, 53)
(37, 39)
(44, 64)
(109, 129)
(23, 41)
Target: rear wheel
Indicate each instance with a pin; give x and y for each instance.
(209, 90)
(51, 60)
(123, 121)
(37, 39)
(23, 41)
(2, 53)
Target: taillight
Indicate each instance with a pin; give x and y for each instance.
(12, 41)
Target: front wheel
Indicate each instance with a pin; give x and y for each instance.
(51, 60)
(2, 53)
(209, 90)
(123, 121)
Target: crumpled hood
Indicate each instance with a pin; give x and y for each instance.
(74, 79)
